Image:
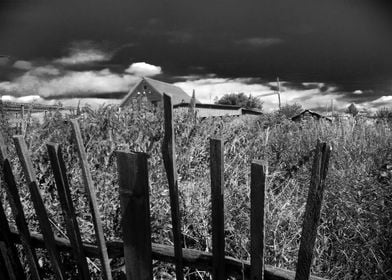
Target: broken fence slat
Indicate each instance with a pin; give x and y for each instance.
(63, 190)
(90, 192)
(169, 156)
(312, 210)
(217, 205)
(135, 214)
(30, 175)
(257, 220)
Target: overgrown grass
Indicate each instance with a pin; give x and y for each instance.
(354, 236)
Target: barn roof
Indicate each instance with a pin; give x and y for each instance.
(177, 94)
(312, 113)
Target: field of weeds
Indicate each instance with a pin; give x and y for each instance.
(354, 235)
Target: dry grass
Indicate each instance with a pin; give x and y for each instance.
(355, 230)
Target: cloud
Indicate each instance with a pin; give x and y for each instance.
(358, 91)
(84, 52)
(143, 69)
(23, 99)
(69, 84)
(23, 65)
(259, 42)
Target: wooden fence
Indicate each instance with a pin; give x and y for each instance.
(136, 247)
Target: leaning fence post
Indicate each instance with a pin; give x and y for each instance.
(90, 192)
(20, 220)
(135, 211)
(47, 232)
(169, 160)
(217, 205)
(257, 220)
(312, 210)
(73, 232)
(15, 270)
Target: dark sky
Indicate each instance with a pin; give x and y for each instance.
(346, 43)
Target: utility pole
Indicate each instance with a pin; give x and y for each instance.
(278, 83)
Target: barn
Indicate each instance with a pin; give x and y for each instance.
(153, 90)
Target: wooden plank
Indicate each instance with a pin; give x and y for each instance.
(192, 258)
(90, 192)
(10, 252)
(6, 269)
(20, 220)
(312, 210)
(39, 206)
(169, 155)
(73, 232)
(257, 220)
(135, 214)
(217, 205)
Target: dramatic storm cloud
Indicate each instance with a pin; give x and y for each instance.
(97, 48)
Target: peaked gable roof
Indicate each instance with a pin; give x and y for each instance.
(177, 94)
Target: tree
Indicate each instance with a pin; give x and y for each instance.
(352, 109)
(290, 111)
(241, 99)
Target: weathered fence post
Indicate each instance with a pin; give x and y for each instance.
(257, 220)
(90, 192)
(312, 210)
(217, 205)
(27, 166)
(169, 155)
(20, 220)
(135, 211)
(8, 251)
(73, 232)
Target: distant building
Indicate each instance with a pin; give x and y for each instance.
(309, 115)
(153, 90)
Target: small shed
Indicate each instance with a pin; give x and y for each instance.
(154, 90)
(309, 115)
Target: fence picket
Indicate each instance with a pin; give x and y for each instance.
(20, 219)
(135, 212)
(257, 220)
(5, 232)
(30, 175)
(217, 205)
(60, 176)
(6, 269)
(169, 155)
(312, 210)
(9, 251)
(90, 192)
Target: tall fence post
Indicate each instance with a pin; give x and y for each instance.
(169, 155)
(30, 175)
(9, 251)
(312, 210)
(20, 220)
(257, 220)
(217, 205)
(90, 192)
(135, 211)
(73, 232)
